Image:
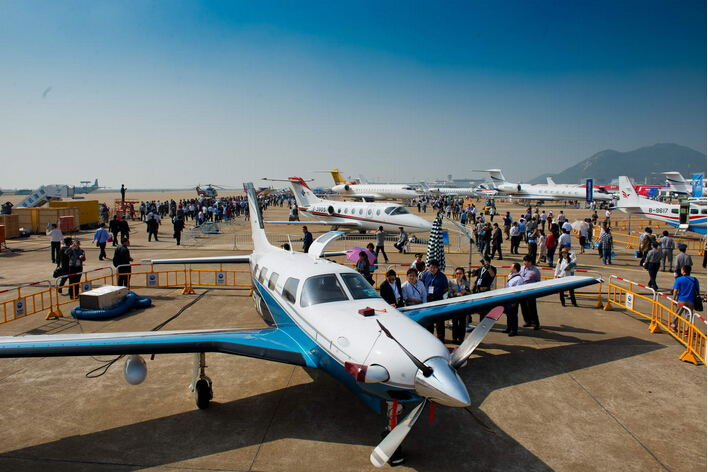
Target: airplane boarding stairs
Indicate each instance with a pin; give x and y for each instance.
(45, 193)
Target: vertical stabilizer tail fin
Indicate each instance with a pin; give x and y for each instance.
(627, 196)
(677, 183)
(302, 192)
(260, 239)
(338, 178)
(495, 175)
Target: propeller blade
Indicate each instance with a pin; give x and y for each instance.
(470, 344)
(386, 448)
(427, 371)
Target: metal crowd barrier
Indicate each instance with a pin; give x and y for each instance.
(25, 304)
(669, 317)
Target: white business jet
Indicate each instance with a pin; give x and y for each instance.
(452, 191)
(686, 216)
(368, 191)
(321, 315)
(541, 192)
(360, 216)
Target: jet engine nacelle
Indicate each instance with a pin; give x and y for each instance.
(373, 373)
(135, 370)
(330, 210)
(346, 187)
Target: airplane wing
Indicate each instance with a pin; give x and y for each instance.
(445, 309)
(271, 344)
(202, 260)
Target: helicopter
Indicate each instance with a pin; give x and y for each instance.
(209, 191)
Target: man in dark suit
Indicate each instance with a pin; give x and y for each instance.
(306, 239)
(391, 290)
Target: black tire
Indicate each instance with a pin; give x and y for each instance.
(202, 393)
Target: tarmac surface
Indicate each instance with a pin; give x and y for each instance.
(592, 390)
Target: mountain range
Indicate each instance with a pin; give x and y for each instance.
(641, 164)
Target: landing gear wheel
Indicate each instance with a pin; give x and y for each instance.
(203, 394)
(362, 231)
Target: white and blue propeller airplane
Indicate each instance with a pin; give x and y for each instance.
(322, 315)
(361, 216)
(687, 215)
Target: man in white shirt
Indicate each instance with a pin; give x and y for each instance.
(55, 237)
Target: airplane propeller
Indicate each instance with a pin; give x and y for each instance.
(437, 381)
(427, 371)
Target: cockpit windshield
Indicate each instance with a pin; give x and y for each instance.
(321, 289)
(359, 287)
(396, 210)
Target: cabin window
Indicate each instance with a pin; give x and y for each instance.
(261, 276)
(369, 212)
(703, 211)
(339, 210)
(346, 210)
(321, 289)
(674, 211)
(290, 289)
(694, 211)
(359, 287)
(378, 212)
(361, 211)
(273, 280)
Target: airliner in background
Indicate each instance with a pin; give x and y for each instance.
(541, 192)
(370, 192)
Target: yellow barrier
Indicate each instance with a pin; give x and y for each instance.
(25, 304)
(669, 317)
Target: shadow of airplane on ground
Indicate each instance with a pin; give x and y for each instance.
(325, 411)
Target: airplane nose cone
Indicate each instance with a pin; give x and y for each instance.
(444, 386)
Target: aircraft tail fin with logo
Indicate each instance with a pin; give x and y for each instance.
(302, 192)
(627, 196)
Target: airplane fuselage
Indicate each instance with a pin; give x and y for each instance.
(368, 216)
(376, 192)
(549, 192)
(318, 305)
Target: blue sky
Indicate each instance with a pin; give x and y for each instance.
(170, 94)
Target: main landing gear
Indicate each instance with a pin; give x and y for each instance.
(201, 387)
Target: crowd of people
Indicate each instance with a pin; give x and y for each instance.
(547, 238)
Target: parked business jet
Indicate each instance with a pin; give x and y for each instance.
(452, 191)
(541, 192)
(687, 215)
(324, 315)
(360, 216)
(370, 192)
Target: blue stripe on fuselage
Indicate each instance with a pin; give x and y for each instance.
(317, 357)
